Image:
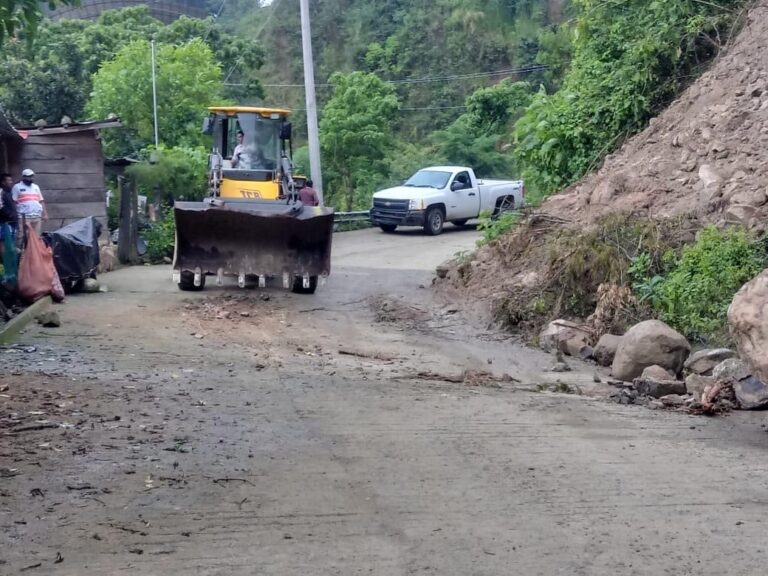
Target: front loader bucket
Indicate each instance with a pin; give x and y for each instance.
(248, 237)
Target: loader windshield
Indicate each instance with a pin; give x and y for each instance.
(260, 146)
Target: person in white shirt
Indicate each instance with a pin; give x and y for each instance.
(29, 200)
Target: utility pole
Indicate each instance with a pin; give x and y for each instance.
(309, 88)
(154, 94)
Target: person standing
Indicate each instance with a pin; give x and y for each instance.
(308, 195)
(9, 219)
(29, 200)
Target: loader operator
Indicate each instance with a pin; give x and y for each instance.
(247, 156)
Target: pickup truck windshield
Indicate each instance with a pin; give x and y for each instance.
(429, 179)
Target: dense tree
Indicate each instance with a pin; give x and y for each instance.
(188, 80)
(24, 16)
(355, 137)
(52, 78)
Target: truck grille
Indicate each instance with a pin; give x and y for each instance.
(384, 209)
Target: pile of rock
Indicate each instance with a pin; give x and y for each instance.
(653, 363)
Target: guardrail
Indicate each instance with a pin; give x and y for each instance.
(344, 217)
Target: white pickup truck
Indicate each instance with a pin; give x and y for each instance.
(442, 194)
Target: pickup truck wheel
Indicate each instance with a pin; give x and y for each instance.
(505, 204)
(459, 222)
(434, 220)
(388, 227)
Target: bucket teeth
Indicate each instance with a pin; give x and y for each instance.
(241, 280)
(262, 281)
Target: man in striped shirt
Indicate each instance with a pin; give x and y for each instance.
(29, 200)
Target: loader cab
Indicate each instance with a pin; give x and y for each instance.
(249, 147)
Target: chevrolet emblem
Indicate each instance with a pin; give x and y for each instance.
(387, 203)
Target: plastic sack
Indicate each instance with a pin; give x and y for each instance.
(57, 289)
(10, 255)
(36, 268)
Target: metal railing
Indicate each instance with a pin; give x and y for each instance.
(344, 217)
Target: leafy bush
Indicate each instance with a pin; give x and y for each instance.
(161, 238)
(176, 173)
(495, 227)
(629, 59)
(695, 295)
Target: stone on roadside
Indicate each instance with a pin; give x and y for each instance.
(49, 319)
(673, 400)
(695, 384)
(748, 324)
(565, 336)
(731, 369)
(646, 344)
(751, 393)
(605, 350)
(704, 361)
(443, 269)
(657, 381)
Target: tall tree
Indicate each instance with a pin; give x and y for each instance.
(24, 15)
(355, 136)
(52, 77)
(188, 80)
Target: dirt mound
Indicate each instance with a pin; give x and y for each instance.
(703, 160)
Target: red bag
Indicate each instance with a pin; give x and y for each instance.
(36, 268)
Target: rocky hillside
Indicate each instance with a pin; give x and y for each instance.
(703, 160)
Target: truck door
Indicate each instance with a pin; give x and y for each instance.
(464, 199)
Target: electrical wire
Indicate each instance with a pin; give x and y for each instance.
(506, 72)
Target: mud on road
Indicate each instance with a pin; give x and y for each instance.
(368, 429)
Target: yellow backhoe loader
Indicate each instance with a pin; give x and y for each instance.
(252, 225)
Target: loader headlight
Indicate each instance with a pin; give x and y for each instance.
(416, 205)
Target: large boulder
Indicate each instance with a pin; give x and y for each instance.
(751, 393)
(704, 361)
(564, 336)
(731, 369)
(656, 381)
(748, 324)
(646, 344)
(605, 349)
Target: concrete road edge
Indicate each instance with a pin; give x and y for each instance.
(17, 324)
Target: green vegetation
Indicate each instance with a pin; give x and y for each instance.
(161, 238)
(692, 291)
(24, 16)
(355, 138)
(169, 174)
(629, 60)
(186, 72)
(53, 77)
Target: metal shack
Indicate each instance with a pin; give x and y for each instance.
(68, 164)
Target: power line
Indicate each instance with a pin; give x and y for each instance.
(433, 108)
(506, 72)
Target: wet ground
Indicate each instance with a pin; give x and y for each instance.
(367, 429)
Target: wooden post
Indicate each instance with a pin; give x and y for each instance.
(126, 242)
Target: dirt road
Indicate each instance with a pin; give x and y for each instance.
(259, 432)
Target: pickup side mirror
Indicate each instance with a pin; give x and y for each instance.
(456, 186)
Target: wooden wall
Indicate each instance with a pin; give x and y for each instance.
(69, 168)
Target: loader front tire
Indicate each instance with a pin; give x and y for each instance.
(298, 285)
(187, 282)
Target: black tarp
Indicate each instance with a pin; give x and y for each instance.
(75, 250)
